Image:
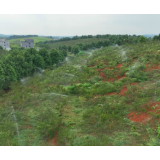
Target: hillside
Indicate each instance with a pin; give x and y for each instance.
(72, 43)
(101, 97)
(16, 42)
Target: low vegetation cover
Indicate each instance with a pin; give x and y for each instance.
(104, 96)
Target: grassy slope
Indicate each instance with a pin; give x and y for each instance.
(74, 42)
(16, 42)
(89, 115)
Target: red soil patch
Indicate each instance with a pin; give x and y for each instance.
(119, 65)
(144, 117)
(124, 89)
(110, 79)
(140, 118)
(148, 68)
(102, 75)
(97, 96)
(112, 93)
(54, 141)
(120, 77)
(29, 126)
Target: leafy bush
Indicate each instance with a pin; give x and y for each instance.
(95, 79)
(49, 124)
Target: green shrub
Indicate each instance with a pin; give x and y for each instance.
(49, 124)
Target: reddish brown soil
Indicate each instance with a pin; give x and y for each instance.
(140, 118)
(124, 89)
(54, 141)
(112, 93)
(102, 75)
(119, 65)
(144, 117)
(97, 96)
(110, 79)
(29, 126)
(148, 68)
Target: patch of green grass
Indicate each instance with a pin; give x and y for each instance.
(16, 42)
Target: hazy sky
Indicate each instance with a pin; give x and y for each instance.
(79, 24)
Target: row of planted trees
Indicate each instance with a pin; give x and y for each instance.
(104, 43)
(114, 39)
(21, 63)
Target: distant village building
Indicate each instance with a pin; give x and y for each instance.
(38, 49)
(5, 44)
(28, 43)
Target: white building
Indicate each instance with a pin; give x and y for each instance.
(5, 44)
(28, 43)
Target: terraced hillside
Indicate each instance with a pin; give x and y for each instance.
(102, 97)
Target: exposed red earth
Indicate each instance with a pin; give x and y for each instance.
(119, 65)
(97, 96)
(54, 141)
(112, 93)
(124, 89)
(144, 117)
(29, 126)
(148, 68)
(101, 74)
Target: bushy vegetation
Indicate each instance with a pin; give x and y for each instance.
(87, 98)
(18, 64)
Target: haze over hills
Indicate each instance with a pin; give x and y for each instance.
(149, 35)
(6, 36)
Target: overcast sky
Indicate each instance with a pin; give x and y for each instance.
(82, 24)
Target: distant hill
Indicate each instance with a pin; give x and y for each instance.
(149, 35)
(55, 36)
(4, 36)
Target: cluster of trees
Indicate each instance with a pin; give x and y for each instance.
(107, 36)
(142, 39)
(43, 44)
(108, 40)
(118, 38)
(156, 37)
(21, 63)
(98, 44)
(21, 36)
